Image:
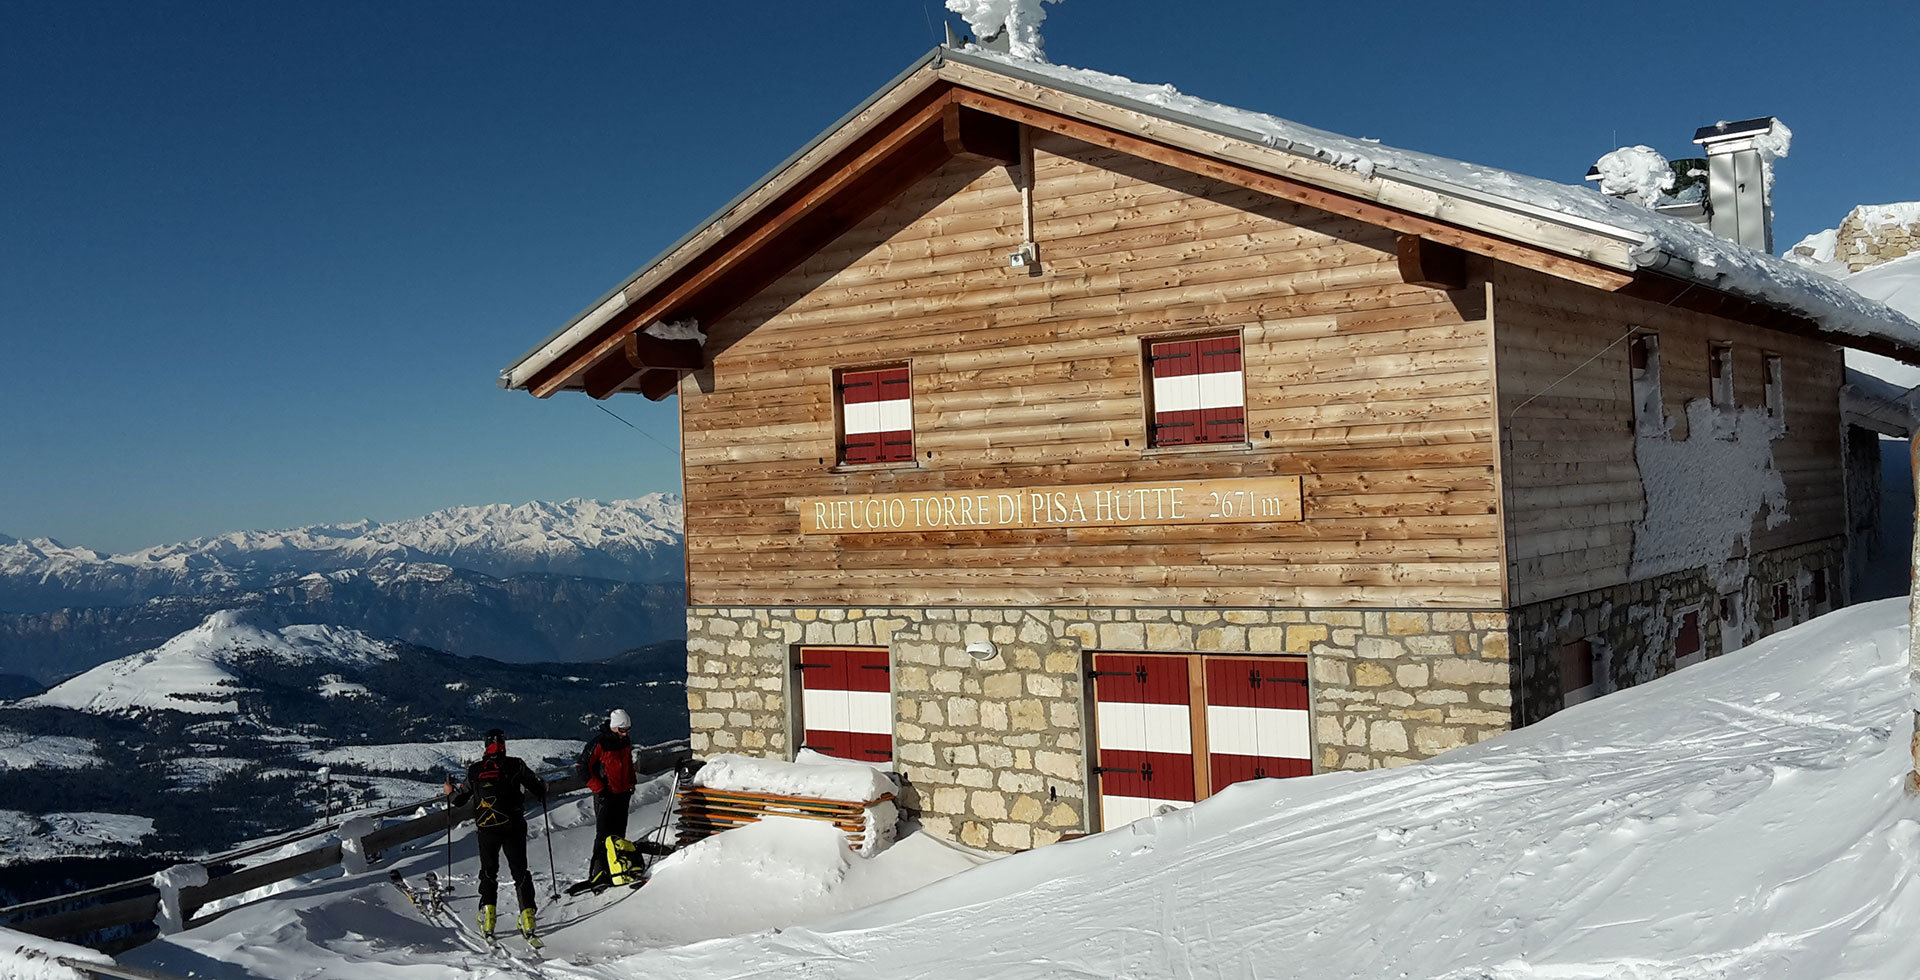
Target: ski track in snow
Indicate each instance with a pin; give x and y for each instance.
(1741, 818)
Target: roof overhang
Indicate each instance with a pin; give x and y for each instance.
(954, 102)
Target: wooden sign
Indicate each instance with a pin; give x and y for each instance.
(1262, 499)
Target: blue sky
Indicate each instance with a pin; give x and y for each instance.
(260, 263)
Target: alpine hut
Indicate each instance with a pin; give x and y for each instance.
(1078, 448)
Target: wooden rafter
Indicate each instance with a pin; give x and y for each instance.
(656, 385)
(1431, 264)
(979, 135)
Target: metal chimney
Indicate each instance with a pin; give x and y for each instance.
(1737, 193)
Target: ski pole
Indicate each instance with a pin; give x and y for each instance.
(553, 876)
(449, 840)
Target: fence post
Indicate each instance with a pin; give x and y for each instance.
(354, 858)
(172, 918)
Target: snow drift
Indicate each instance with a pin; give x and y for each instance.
(1745, 817)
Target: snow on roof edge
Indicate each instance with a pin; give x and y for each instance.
(1660, 243)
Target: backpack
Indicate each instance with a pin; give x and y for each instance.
(493, 793)
(624, 862)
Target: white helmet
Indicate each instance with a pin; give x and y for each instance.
(619, 719)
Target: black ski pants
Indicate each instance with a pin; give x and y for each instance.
(511, 838)
(609, 820)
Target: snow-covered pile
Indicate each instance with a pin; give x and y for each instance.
(1654, 238)
(1637, 173)
(188, 673)
(811, 775)
(1019, 20)
(24, 957)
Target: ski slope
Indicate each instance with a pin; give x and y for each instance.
(1745, 817)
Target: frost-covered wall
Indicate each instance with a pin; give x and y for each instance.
(1634, 630)
(1704, 493)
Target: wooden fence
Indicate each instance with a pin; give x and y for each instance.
(137, 902)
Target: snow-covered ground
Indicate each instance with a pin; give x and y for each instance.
(439, 756)
(23, 750)
(1745, 817)
(28, 837)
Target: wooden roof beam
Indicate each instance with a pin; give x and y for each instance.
(977, 135)
(1431, 264)
(656, 385)
(602, 380)
(644, 350)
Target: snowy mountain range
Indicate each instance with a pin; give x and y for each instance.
(636, 540)
(578, 580)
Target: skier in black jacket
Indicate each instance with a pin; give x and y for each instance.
(495, 784)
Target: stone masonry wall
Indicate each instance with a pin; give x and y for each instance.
(1632, 627)
(995, 752)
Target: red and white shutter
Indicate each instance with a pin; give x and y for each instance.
(1199, 394)
(846, 703)
(1257, 719)
(1144, 720)
(877, 416)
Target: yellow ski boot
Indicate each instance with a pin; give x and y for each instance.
(526, 929)
(487, 918)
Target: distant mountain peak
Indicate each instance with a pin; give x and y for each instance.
(636, 540)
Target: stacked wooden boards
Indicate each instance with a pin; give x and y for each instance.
(704, 812)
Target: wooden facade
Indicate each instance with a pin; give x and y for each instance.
(1574, 489)
(1376, 393)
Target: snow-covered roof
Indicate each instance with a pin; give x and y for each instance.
(1572, 220)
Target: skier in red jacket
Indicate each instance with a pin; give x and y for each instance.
(607, 762)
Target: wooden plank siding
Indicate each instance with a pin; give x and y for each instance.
(1375, 392)
(1573, 491)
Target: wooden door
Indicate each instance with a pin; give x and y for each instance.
(1144, 723)
(1258, 721)
(846, 703)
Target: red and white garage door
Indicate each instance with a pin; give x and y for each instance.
(846, 703)
(1257, 720)
(1145, 726)
(1254, 722)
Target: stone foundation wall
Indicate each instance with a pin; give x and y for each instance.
(995, 752)
(1633, 627)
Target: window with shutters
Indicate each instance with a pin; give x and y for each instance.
(1776, 386)
(876, 415)
(1643, 360)
(1720, 375)
(1198, 395)
(1687, 648)
(1576, 673)
(846, 702)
